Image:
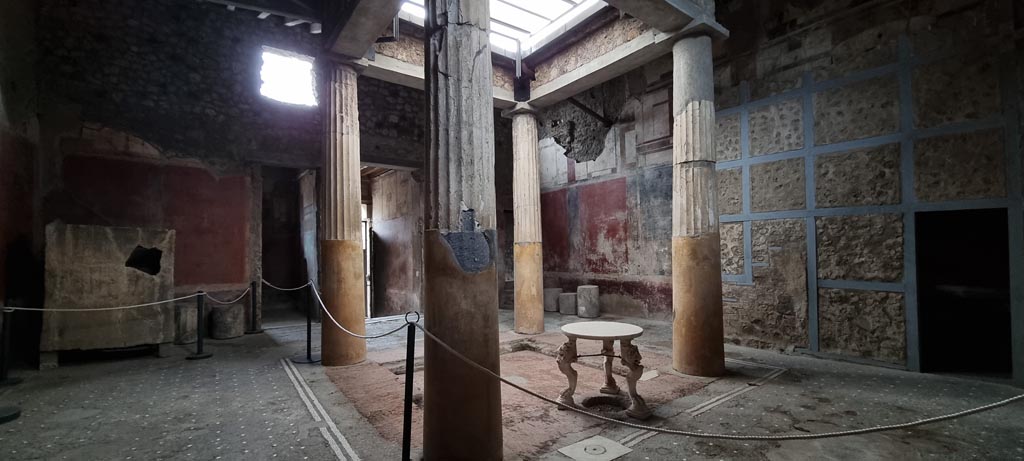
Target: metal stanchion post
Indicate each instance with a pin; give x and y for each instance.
(6, 354)
(200, 328)
(7, 413)
(410, 365)
(310, 357)
(253, 324)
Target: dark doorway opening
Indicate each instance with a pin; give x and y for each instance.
(963, 286)
(283, 261)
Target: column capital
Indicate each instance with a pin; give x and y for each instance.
(334, 60)
(520, 109)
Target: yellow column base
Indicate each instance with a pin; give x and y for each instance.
(697, 335)
(344, 289)
(529, 294)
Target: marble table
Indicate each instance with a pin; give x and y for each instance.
(607, 333)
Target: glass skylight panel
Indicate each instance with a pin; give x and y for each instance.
(528, 21)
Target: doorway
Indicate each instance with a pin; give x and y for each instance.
(963, 285)
(283, 238)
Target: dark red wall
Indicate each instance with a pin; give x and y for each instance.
(16, 179)
(555, 230)
(209, 214)
(603, 215)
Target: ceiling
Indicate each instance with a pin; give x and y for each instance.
(520, 26)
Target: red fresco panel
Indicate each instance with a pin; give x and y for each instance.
(603, 215)
(555, 230)
(211, 217)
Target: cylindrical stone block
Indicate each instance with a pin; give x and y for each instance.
(588, 301)
(567, 303)
(551, 299)
(227, 321)
(343, 287)
(529, 288)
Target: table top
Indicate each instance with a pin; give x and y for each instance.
(602, 330)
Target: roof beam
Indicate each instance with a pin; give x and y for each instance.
(357, 32)
(402, 73)
(670, 15)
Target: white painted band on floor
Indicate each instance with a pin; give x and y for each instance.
(288, 371)
(636, 441)
(330, 422)
(631, 436)
(332, 443)
(703, 407)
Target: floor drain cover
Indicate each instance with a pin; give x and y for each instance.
(596, 448)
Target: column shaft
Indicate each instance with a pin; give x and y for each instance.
(342, 282)
(528, 252)
(462, 406)
(697, 336)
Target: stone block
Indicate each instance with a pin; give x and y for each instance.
(567, 303)
(955, 90)
(185, 322)
(727, 138)
(588, 301)
(859, 177)
(863, 43)
(551, 299)
(862, 247)
(732, 247)
(778, 185)
(960, 166)
(776, 128)
(227, 321)
(730, 191)
(868, 324)
(124, 266)
(856, 111)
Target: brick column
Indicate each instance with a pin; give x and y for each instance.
(697, 336)
(529, 267)
(341, 247)
(462, 406)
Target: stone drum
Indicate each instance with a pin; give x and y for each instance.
(607, 333)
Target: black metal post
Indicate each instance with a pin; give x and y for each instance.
(7, 354)
(254, 326)
(410, 366)
(200, 328)
(310, 357)
(7, 413)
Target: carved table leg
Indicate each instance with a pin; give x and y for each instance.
(566, 357)
(609, 381)
(631, 359)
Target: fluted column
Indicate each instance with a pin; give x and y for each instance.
(341, 246)
(528, 251)
(462, 406)
(697, 336)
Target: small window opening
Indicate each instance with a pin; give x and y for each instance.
(145, 259)
(287, 77)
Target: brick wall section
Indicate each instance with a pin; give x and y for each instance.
(183, 75)
(823, 89)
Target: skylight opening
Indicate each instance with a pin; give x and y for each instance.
(520, 24)
(287, 77)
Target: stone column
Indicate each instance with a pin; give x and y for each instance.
(462, 405)
(697, 337)
(342, 282)
(529, 264)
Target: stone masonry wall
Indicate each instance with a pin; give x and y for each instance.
(837, 120)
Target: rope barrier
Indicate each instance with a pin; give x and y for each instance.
(271, 285)
(239, 298)
(42, 309)
(710, 435)
(322, 305)
(706, 435)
